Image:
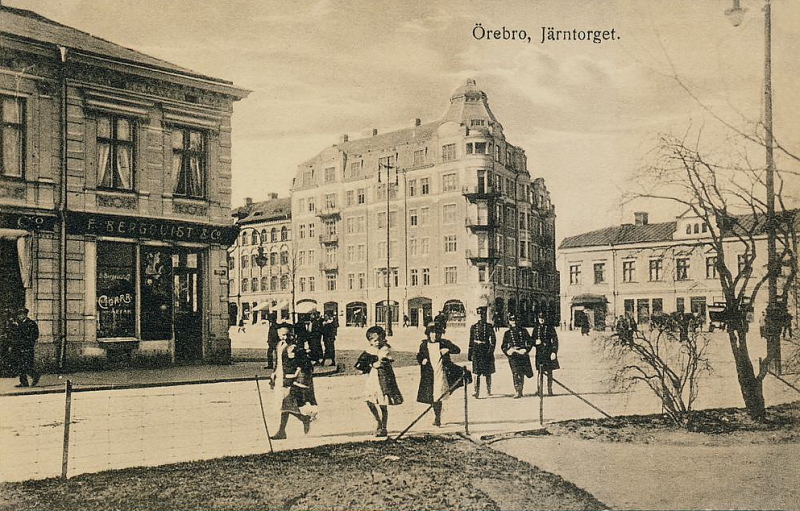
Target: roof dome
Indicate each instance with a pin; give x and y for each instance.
(469, 90)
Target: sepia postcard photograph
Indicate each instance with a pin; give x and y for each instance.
(414, 255)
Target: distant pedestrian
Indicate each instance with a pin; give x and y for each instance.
(381, 388)
(314, 338)
(293, 382)
(546, 342)
(406, 321)
(272, 340)
(585, 326)
(441, 321)
(517, 346)
(241, 325)
(438, 374)
(330, 329)
(482, 342)
(497, 320)
(24, 334)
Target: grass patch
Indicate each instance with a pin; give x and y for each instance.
(417, 473)
(716, 426)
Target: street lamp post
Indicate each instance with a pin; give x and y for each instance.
(387, 163)
(735, 15)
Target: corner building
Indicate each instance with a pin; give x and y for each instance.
(114, 197)
(467, 225)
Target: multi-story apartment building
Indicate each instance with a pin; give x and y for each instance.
(643, 269)
(115, 174)
(261, 261)
(450, 204)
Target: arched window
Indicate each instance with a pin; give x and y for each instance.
(284, 257)
(284, 233)
(263, 236)
(273, 235)
(231, 262)
(254, 285)
(254, 260)
(688, 228)
(264, 284)
(705, 227)
(254, 238)
(696, 228)
(244, 261)
(244, 285)
(244, 238)
(284, 282)
(273, 284)
(273, 257)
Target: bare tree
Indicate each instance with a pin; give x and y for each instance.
(670, 358)
(728, 197)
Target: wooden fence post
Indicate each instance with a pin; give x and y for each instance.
(67, 412)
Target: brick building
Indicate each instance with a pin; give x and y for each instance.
(261, 261)
(467, 224)
(114, 196)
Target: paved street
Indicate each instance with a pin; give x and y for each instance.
(153, 426)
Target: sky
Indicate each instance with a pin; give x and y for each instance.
(587, 115)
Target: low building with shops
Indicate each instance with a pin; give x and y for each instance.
(640, 270)
(442, 215)
(261, 261)
(114, 196)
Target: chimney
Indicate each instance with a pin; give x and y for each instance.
(417, 122)
(273, 196)
(343, 138)
(641, 217)
(374, 131)
(248, 201)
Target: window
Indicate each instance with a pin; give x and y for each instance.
(254, 238)
(302, 231)
(381, 219)
(301, 258)
(330, 201)
(273, 258)
(362, 195)
(115, 153)
(330, 254)
(264, 236)
(680, 305)
(361, 224)
(116, 289)
(273, 283)
(599, 273)
(575, 274)
(351, 280)
(245, 285)
(656, 270)
(362, 280)
(231, 263)
(450, 244)
(426, 277)
(312, 286)
(682, 268)
(189, 162)
(12, 136)
(350, 197)
(284, 233)
(449, 182)
(448, 152)
(273, 235)
(312, 205)
(244, 238)
(448, 214)
(392, 218)
(311, 228)
(419, 157)
(354, 169)
(254, 260)
(425, 246)
(362, 253)
(330, 174)
(450, 275)
(412, 187)
(481, 273)
(711, 267)
(688, 229)
(245, 260)
(425, 185)
(302, 284)
(480, 147)
(412, 217)
(254, 285)
(330, 282)
(412, 246)
(414, 277)
(424, 215)
(628, 271)
(284, 257)
(308, 177)
(350, 254)
(744, 262)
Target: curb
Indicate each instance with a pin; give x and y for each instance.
(89, 387)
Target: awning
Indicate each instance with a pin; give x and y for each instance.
(283, 304)
(588, 299)
(261, 306)
(305, 307)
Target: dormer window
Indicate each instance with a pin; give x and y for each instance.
(688, 228)
(477, 122)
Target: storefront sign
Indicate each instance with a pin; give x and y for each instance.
(150, 228)
(28, 221)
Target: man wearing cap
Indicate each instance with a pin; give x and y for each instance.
(516, 346)
(482, 342)
(24, 333)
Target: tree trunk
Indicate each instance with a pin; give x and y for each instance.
(751, 387)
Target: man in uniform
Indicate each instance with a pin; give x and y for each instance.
(330, 328)
(482, 342)
(517, 346)
(25, 333)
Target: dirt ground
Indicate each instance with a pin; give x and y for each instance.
(416, 473)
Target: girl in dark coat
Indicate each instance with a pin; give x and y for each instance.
(293, 382)
(516, 346)
(546, 351)
(437, 372)
(381, 388)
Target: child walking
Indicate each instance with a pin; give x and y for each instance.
(381, 388)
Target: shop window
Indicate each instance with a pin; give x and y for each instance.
(189, 162)
(12, 136)
(116, 292)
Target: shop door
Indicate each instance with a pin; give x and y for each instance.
(188, 296)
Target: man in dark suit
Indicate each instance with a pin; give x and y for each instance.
(482, 342)
(330, 327)
(517, 346)
(24, 334)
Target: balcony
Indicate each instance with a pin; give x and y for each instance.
(329, 239)
(475, 192)
(479, 225)
(483, 256)
(329, 266)
(329, 212)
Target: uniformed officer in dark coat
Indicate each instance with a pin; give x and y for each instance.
(517, 346)
(482, 342)
(546, 342)
(24, 334)
(272, 340)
